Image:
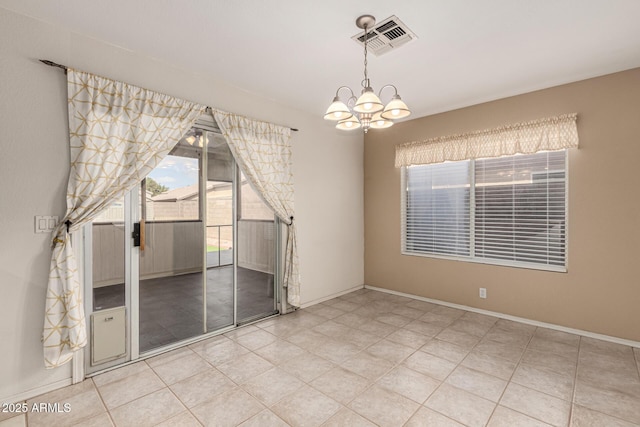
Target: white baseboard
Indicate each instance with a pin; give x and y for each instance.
(332, 296)
(588, 334)
(30, 394)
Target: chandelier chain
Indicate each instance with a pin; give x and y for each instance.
(365, 82)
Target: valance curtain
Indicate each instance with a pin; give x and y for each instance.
(263, 152)
(118, 133)
(549, 134)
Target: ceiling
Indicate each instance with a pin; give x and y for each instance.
(298, 52)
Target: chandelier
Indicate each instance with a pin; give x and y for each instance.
(367, 111)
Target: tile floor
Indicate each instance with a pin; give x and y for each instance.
(365, 359)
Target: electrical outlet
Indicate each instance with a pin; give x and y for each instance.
(483, 292)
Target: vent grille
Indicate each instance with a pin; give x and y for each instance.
(390, 34)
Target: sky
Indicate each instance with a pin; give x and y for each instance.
(176, 172)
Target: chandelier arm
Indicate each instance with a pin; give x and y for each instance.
(385, 86)
(344, 87)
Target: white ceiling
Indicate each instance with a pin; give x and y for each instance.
(298, 52)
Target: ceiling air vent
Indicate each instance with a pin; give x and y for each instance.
(385, 36)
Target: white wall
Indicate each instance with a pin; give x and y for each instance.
(34, 162)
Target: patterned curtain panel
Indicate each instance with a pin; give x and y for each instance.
(263, 152)
(118, 133)
(549, 134)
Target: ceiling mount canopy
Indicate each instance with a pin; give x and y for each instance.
(366, 111)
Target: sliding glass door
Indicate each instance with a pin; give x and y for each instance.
(190, 252)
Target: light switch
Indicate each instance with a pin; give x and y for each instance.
(45, 224)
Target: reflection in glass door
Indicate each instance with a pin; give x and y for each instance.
(202, 261)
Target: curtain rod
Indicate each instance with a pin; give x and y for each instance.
(64, 67)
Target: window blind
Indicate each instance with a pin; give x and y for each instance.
(509, 210)
(437, 211)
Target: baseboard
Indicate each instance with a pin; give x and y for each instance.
(30, 394)
(332, 296)
(588, 334)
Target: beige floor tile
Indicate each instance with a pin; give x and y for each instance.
(336, 350)
(557, 336)
(424, 328)
(489, 364)
(199, 346)
(452, 313)
(332, 329)
(408, 338)
(14, 421)
(505, 417)
(227, 409)
(512, 337)
(265, 418)
(345, 306)
(347, 418)
(421, 305)
(256, 339)
(306, 407)
(429, 364)
(481, 319)
(245, 367)
(185, 419)
(130, 388)
(568, 350)
(384, 407)
(390, 351)
(282, 329)
(149, 410)
(181, 368)
(409, 383)
(236, 333)
(119, 373)
(508, 352)
(169, 356)
(82, 401)
(359, 338)
(102, 420)
(367, 366)
(307, 366)
(611, 402)
(471, 327)
(605, 348)
(308, 339)
(547, 382)
(510, 325)
(221, 351)
(427, 417)
(460, 338)
(446, 350)
(636, 352)
(199, 388)
(279, 351)
(272, 386)
(340, 384)
(393, 319)
(437, 320)
(537, 405)
(462, 406)
(585, 417)
(352, 320)
(325, 311)
(478, 383)
(378, 329)
(408, 312)
(550, 362)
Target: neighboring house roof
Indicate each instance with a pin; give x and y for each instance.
(186, 193)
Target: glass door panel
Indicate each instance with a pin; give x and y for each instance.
(171, 258)
(256, 255)
(220, 208)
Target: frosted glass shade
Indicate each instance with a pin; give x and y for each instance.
(337, 111)
(368, 102)
(379, 122)
(396, 109)
(348, 124)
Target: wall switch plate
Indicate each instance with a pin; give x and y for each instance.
(45, 224)
(483, 292)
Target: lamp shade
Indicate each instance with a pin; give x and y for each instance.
(348, 124)
(396, 109)
(368, 102)
(379, 122)
(337, 111)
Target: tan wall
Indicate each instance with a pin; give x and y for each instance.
(601, 290)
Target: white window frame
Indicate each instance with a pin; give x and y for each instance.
(472, 258)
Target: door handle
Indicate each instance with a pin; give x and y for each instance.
(138, 234)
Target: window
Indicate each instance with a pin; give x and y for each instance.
(508, 210)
